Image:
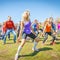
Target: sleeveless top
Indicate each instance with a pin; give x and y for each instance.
(58, 26)
(48, 28)
(27, 28)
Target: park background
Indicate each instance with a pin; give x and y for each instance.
(39, 9)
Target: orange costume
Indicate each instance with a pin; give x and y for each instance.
(48, 28)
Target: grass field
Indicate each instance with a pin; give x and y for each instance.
(46, 52)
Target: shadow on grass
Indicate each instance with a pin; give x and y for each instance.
(34, 53)
(45, 49)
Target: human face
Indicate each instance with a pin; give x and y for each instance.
(9, 18)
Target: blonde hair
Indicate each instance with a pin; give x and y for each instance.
(26, 16)
(47, 20)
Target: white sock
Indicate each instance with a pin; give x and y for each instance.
(35, 44)
(19, 49)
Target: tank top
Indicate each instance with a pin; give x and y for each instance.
(27, 28)
(58, 26)
(48, 28)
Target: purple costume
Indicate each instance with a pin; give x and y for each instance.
(27, 28)
(27, 31)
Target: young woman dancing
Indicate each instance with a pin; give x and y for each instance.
(26, 31)
(48, 31)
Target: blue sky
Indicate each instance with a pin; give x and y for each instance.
(39, 9)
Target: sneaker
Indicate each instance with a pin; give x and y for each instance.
(16, 57)
(35, 49)
(52, 43)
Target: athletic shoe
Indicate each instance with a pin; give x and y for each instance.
(16, 57)
(35, 49)
(52, 43)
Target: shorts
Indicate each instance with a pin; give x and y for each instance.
(31, 35)
(49, 33)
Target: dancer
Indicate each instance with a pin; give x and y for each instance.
(4, 31)
(26, 31)
(48, 31)
(9, 25)
(35, 27)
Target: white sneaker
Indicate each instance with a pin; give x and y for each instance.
(35, 49)
(16, 57)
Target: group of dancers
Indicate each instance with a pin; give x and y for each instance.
(32, 30)
(28, 29)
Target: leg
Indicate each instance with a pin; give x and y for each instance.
(45, 37)
(19, 48)
(54, 38)
(40, 31)
(36, 33)
(36, 40)
(35, 44)
(17, 34)
(9, 36)
(21, 45)
(8, 31)
(18, 39)
(14, 36)
(3, 36)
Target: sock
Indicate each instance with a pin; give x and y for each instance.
(19, 49)
(35, 44)
(17, 54)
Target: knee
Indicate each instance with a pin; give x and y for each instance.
(22, 43)
(37, 39)
(45, 37)
(14, 34)
(5, 35)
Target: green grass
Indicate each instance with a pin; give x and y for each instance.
(47, 52)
